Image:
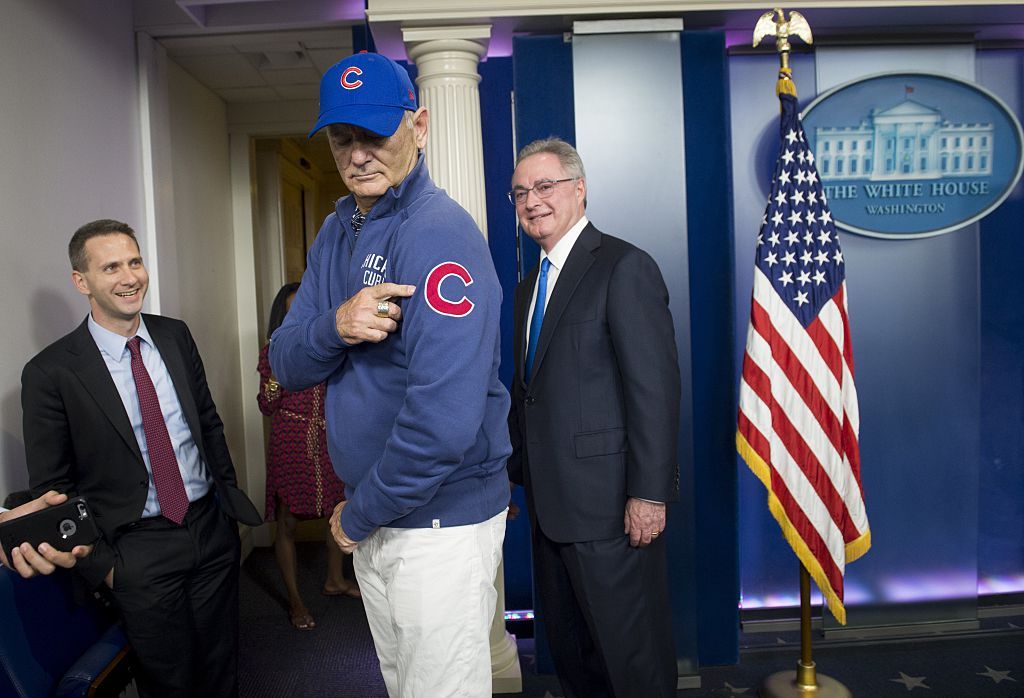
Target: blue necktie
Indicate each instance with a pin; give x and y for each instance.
(538, 316)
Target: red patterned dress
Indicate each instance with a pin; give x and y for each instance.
(299, 469)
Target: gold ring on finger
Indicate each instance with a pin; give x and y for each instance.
(383, 309)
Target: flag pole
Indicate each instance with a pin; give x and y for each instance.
(805, 681)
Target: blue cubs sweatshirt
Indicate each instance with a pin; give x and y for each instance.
(416, 425)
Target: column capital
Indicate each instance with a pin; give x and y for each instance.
(467, 37)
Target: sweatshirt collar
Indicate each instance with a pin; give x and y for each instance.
(390, 201)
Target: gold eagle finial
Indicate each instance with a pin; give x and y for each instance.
(782, 28)
(774, 23)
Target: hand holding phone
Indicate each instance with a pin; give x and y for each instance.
(57, 533)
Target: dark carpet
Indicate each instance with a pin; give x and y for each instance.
(337, 659)
(975, 665)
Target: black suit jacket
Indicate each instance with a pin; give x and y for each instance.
(598, 420)
(79, 440)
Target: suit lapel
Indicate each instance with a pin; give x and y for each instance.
(88, 365)
(170, 352)
(580, 260)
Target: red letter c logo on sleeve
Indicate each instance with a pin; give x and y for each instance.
(432, 290)
(347, 82)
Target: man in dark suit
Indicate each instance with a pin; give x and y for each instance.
(119, 412)
(594, 420)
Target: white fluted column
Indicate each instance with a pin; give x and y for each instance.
(446, 59)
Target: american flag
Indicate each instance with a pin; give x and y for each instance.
(798, 416)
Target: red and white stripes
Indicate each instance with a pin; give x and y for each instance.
(798, 427)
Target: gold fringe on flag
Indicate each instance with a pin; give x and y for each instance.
(854, 549)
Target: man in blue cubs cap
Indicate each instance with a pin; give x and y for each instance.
(398, 312)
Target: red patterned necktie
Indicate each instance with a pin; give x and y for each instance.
(170, 490)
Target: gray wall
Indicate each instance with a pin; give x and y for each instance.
(203, 284)
(69, 153)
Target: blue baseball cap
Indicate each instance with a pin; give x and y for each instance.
(367, 90)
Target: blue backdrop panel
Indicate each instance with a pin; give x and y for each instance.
(1001, 516)
(543, 84)
(710, 225)
(914, 312)
(499, 157)
(496, 120)
(914, 316)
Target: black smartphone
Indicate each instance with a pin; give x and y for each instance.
(63, 526)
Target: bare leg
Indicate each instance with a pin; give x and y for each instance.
(284, 549)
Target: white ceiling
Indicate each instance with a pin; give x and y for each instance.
(253, 50)
(261, 67)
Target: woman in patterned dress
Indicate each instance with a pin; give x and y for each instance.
(301, 483)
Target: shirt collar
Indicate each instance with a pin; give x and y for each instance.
(560, 252)
(113, 344)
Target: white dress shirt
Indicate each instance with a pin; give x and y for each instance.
(557, 257)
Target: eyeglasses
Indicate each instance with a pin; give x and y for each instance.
(542, 189)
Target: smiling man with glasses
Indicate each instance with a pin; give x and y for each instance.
(594, 419)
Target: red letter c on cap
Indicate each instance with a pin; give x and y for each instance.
(432, 290)
(351, 84)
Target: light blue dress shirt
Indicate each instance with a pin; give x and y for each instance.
(114, 349)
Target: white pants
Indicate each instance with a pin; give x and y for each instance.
(429, 597)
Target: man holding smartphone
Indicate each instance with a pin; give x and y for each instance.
(28, 561)
(119, 413)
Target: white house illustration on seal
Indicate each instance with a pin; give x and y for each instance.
(907, 141)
